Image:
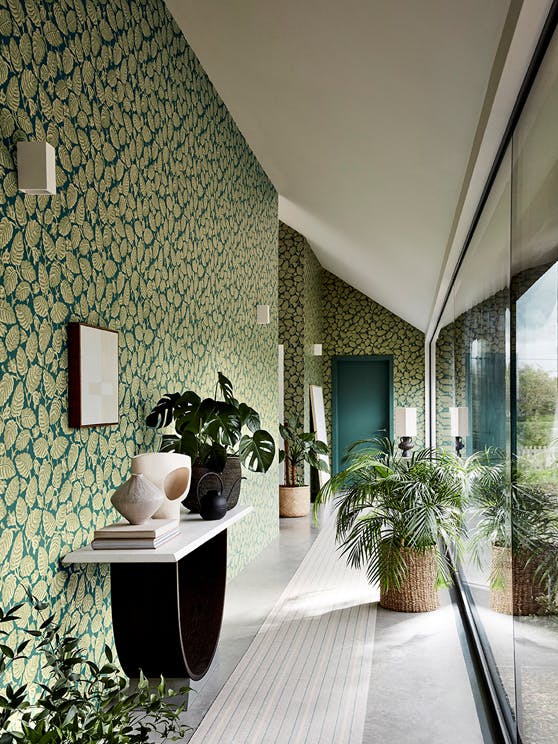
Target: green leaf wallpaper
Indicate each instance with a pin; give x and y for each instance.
(319, 307)
(165, 229)
(355, 324)
(300, 320)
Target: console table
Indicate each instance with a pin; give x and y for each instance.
(167, 603)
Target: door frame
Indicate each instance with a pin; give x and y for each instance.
(334, 381)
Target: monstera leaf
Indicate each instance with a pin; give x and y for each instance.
(257, 452)
(226, 388)
(224, 424)
(214, 457)
(249, 417)
(210, 430)
(170, 443)
(190, 411)
(163, 413)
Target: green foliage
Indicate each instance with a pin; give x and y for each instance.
(300, 447)
(80, 702)
(210, 430)
(386, 503)
(520, 513)
(536, 405)
(537, 393)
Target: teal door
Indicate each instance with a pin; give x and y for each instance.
(361, 401)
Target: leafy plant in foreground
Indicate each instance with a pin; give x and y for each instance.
(80, 702)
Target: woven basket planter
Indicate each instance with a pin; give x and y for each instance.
(417, 592)
(520, 588)
(294, 501)
(231, 477)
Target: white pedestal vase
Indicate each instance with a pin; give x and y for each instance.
(169, 471)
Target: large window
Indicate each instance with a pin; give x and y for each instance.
(496, 357)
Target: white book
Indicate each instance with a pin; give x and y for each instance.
(153, 528)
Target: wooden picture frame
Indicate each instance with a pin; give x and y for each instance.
(92, 376)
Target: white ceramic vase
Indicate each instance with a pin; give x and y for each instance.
(137, 499)
(169, 471)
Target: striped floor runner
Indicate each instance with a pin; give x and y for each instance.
(305, 678)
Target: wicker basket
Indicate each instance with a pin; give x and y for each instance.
(520, 587)
(294, 501)
(231, 477)
(417, 592)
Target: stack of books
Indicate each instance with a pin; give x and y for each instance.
(123, 535)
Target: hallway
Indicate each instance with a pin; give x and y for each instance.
(321, 662)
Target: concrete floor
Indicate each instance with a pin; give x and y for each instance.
(419, 691)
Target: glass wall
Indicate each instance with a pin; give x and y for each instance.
(496, 357)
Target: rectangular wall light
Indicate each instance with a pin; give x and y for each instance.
(406, 422)
(262, 314)
(459, 421)
(36, 168)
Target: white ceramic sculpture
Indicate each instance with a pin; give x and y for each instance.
(169, 471)
(137, 499)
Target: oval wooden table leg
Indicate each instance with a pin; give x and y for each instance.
(167, 616)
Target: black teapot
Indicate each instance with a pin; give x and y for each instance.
(213, 504)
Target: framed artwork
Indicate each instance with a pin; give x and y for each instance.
(92, 376)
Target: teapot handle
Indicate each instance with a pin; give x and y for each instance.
(215, 475)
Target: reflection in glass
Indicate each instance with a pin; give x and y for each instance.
(535, 318)
(497, 356)
(472, 374)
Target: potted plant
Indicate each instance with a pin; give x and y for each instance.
(300, 447)
(78, 701)
(219, 436)
(392, 513)
(519, 522)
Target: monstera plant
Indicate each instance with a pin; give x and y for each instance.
(218, 433)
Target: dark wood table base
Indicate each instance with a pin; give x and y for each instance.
(167, 616)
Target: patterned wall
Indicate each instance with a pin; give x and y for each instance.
(321, 308)
(300, 322)
(485, 322)
(313, 325)
(291, 316)
(445, 385)
(164, 228)
(355, 324)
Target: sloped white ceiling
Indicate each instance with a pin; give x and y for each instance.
(364, 115)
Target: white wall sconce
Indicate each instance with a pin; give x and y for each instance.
(406, 428)
(36, 168)
(316, 349)
(459, 426)
(262, 314)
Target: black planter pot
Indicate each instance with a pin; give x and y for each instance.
(231, 477)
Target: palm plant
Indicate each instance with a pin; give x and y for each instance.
(519, 519)
(391, 510)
